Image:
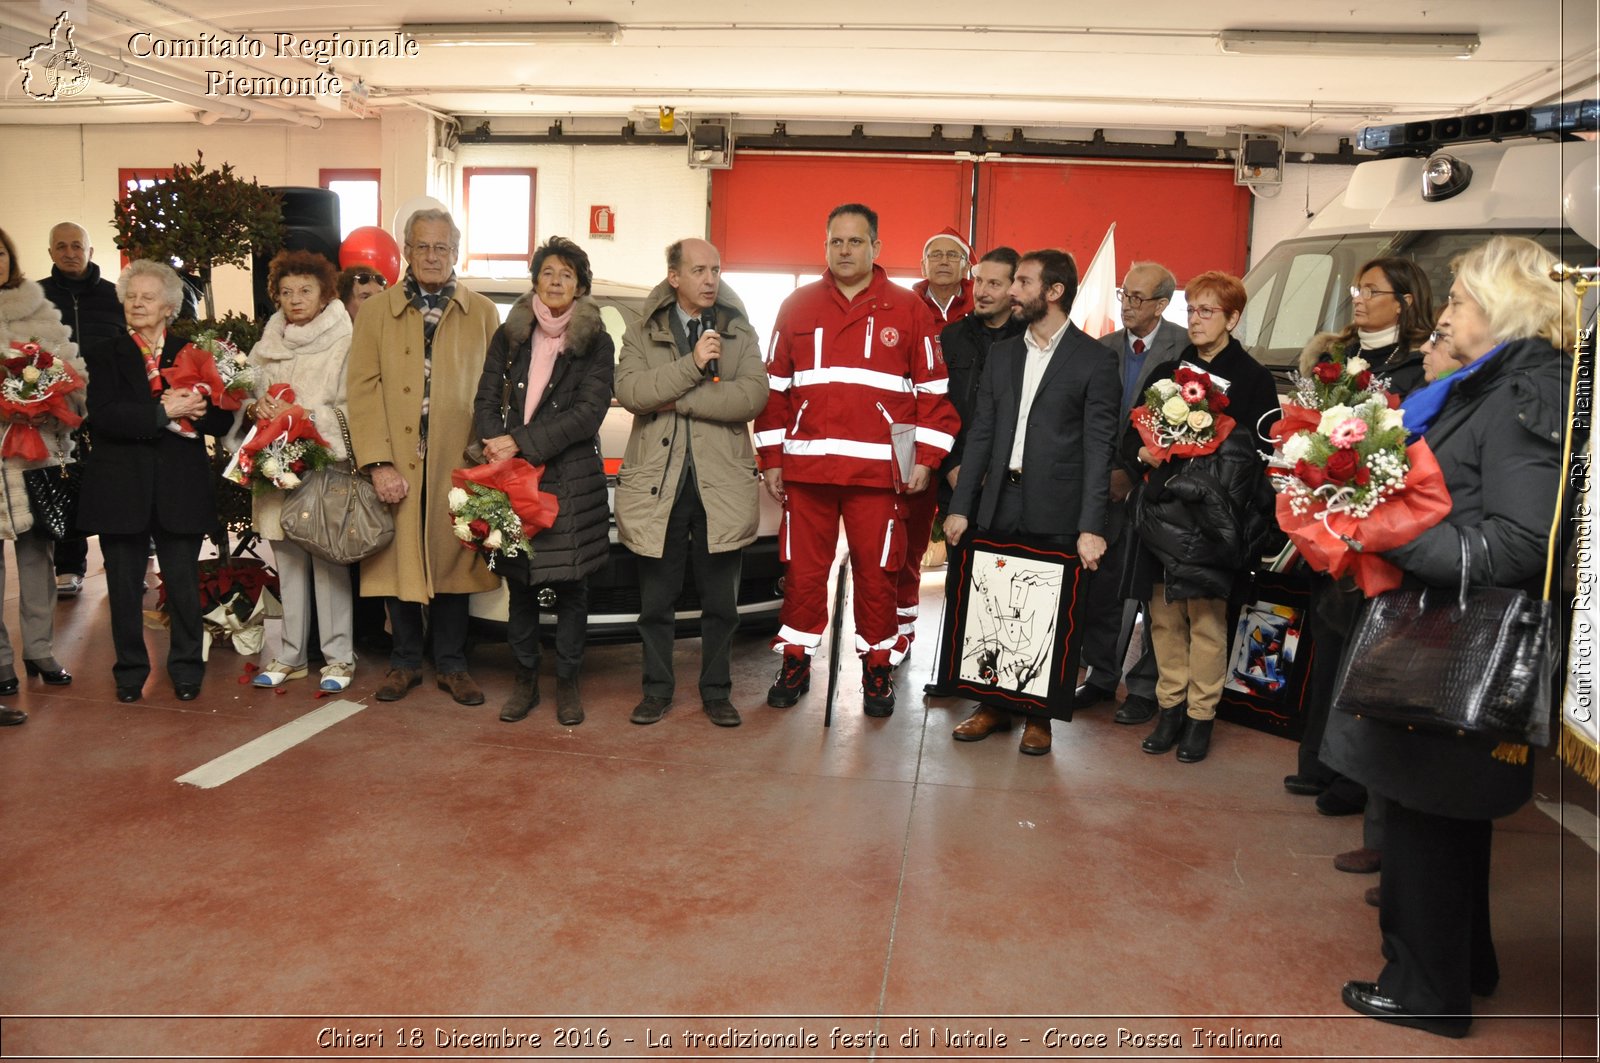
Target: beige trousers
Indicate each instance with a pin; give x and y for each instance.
(1191, 643)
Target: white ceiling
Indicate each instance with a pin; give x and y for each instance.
(1152, 65)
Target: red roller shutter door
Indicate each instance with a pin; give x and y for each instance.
(769, 211)
(1190, 219)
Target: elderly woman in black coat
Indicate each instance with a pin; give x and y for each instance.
(1496, 426)
(149, 479)
(545, 388)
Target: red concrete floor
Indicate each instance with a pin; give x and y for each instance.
(422, 866)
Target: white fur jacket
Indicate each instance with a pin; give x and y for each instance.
(25, 314)
(310, 358)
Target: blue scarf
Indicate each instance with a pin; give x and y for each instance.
(1422, 406)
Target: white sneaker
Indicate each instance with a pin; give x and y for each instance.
(336, 676)
(277, 673)
(68, 585)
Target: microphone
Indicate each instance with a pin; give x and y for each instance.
(708, 323)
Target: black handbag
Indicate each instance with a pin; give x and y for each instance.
(1475, 664)
(335, 513)
(53, 493)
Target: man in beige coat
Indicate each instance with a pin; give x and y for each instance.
(691, 374)
(415, 360)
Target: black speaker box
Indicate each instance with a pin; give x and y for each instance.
(310, 223)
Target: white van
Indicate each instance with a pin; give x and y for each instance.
(614, 590)
(1513, 186)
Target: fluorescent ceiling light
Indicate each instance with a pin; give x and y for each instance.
(491, 33)
(1315, 43)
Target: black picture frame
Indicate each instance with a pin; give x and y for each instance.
(1012, 634)
(1269, 656)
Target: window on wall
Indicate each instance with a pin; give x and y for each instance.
(134, 178)
(498, 202)
(357, 190)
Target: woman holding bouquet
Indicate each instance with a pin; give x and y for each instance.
(27, 317)
(1201, 519)
(148, 478)
(1496, 427)
(305, 345)
(545, 389)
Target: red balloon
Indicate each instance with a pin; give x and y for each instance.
(371, 246)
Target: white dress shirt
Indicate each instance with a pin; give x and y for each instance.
(1032, 372)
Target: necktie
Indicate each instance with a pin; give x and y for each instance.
(1138, 346)
(694, 332)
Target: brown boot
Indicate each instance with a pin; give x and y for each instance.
(1036, 737)
(569, 703)
(981, 724)
(462, 687)
(524, 696)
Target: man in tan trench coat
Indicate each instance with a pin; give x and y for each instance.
(415, 359)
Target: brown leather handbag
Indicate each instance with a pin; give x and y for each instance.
(335, 513)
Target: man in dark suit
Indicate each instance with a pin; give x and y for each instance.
(1051, 478)
(1145, 341)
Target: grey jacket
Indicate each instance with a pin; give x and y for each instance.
(1499, 442)
(708, 425)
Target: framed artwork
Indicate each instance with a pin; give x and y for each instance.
(1010, 635)
(1269, 666)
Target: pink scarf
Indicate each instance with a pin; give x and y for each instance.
(548, 337)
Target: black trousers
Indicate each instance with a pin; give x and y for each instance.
(716, 580)
(447, 620)
(1332, 620)
(72, 557)
(572, 624)
(126, 558)
(1434, 911)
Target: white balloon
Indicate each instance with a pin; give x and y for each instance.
(1580, 197)
(408, 208)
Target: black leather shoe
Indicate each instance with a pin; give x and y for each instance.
(12, 717)
(187, 691)
(1087, 695)
(1303, 785)
(50, 670)
(1136, 710)
(1365, 998)
(650, 709)
(8, 681)
(1331, 804)
(721, 712)
(130, 693)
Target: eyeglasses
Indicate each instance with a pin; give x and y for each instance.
(435, 250)
(1134, 299)
(1367, 292)
(1204, 313)
(945, 256)
(1436, 336)
(370, 278)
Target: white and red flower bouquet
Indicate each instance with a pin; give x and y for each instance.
(1183, 417)
(497, 507)
(214, 367)
(278, 452)
(36, 384)
(1349, 486)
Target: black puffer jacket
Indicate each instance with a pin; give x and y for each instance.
(563, 435)
(1202, 521)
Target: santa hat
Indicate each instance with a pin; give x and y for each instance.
(949, 234)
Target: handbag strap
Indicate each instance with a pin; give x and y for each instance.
(1466, 567)
(344, 430)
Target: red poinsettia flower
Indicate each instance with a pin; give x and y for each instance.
(1328, 372)
(480, 528)
(1309, 474)
(1342, 466)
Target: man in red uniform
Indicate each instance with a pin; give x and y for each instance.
(852, 358)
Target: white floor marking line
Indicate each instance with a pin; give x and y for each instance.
(258, 751)
(1578, 821)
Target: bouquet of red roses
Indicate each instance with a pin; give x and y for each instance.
(1349, 486)
(498, 507)
(1182, 417)
(36, 384)
(277, 452)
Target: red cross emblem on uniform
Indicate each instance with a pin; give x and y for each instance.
(889, 336)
